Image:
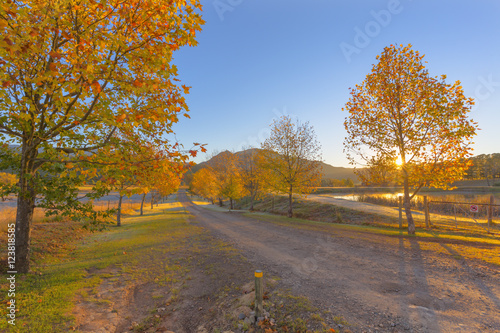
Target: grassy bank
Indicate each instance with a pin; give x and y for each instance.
(311, 210)
(483, 248)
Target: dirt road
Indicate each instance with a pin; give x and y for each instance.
(377, 283)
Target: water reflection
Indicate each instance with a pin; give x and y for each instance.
(438, 196)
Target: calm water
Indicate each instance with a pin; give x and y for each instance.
(440, 196)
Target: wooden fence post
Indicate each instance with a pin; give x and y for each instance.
(426, 211)
(258, 294)
(490, 211)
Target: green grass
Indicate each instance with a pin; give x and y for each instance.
(46, 297)
(420, 233)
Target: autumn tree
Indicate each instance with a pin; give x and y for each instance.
(401, 113)
(292, 156)
(141, 169)
(203, 184)
(254, 176)
(73, 73)
(7, 182)
(224, 167)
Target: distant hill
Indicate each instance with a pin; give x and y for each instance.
(329, 171)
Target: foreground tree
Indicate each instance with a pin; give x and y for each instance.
(74, 73)
(401, 113)
(291, 155)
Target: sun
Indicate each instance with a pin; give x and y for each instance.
(399, 161)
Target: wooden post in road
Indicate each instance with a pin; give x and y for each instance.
(258, 294)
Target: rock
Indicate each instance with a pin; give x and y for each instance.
(161, 309)
(252, 319)
(241, 316)
(259, 319)
(242, 309)
(201, 329)
(247, 321)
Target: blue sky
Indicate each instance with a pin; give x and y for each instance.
(257, 60)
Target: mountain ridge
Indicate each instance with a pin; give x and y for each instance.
(329, 171)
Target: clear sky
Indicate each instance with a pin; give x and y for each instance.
(257, 60)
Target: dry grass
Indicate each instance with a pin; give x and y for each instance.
(8, 214)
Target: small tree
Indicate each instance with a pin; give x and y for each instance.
(7, 183)
(228, 181)
(292, 157)
(204, 184)
(253, 175)
(401, 113)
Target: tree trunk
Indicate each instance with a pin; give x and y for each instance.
(231, 202)
(409, 216)
(290, 203)
(119, 212)
(142, 202)
(152, 199)
(220, 202)
(25, 208)
(24, 221)
(252, 198)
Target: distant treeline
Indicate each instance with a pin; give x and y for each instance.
(485, 166)
(331, 182)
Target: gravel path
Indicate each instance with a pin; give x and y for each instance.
(377, 283)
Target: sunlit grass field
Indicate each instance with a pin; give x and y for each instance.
(64, 254)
